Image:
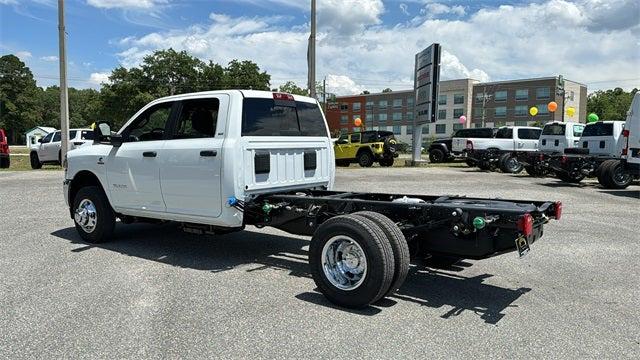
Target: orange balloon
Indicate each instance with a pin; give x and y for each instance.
(552, 106)
(358, 122)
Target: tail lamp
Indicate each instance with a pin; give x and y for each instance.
(525, 224)
(557, 210)
(625, 134)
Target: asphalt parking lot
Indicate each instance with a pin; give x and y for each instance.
(156, 292)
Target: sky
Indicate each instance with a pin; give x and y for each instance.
(362, 44)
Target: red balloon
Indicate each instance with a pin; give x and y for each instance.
(552, 106)
(358, 122)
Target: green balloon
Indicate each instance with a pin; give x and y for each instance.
(592, 117)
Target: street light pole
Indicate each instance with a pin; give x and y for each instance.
(312, 52)
(64, 100)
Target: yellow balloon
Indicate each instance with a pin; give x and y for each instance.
(571, 111)
(533, 111)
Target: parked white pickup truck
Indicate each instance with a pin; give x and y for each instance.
(219, 161)
(47, 151)
(500, 150)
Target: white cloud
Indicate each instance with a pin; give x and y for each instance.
(50, 58)
(434, 9)
(8, 2)
(125, 4)
(98, 78)
(498, 43)
(342, 84)
(404, 8)
(23, 54)
(347, 17)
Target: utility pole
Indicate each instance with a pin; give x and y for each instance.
(560, 91)
(485, 97)
(64, 92)
(311, 52)
(324, 93)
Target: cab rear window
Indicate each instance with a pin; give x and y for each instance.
(269, 117)
(598, 129)
(554, 129)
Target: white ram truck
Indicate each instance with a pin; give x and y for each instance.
(500, 151)
(222, 160)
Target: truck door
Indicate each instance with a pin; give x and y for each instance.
(341, 147)
(528, 139)
(190, 173)
(43, 145)
(133, 169)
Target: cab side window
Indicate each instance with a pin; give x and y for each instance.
(198, 119)
(577, 130)
(57, 136)
(47, 138)
(355, 138)
(150, 125)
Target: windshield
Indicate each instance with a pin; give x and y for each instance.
(269, 117)
(554, 129)
(376, 136)
(598, 129)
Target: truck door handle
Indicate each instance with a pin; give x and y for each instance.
(208, 153)
(149, 154)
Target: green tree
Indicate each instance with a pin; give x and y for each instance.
(291, 88)
(366, 92)
(169, 72)
(245, 75)
(387, 90)
(18, 97)
(610, 104)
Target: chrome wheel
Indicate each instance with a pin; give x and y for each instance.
(344, 263)
(86, 215)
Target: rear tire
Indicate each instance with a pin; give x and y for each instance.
(35, 161)
(365, 159)
(613, 175)
(353, 242)
(5, 162)
(93, 216)
(401, 255)
(436, 156)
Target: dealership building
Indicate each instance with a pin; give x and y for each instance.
(483, 104)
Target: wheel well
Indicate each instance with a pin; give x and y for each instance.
(82, 179)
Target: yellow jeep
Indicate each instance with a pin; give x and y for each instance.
(365, 148)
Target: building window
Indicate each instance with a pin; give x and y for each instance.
(479, 97)
(458, 98)
(521, 110)
(500, 95)
(441, 128)
(442, 99)
(369, 105)
(382, 117)
(522, 94)
(521, 122)
(397, 116)
(410, 101)
(344, 119)
(410, 116)
(369, 117)
(425, 129)
(457, 113)
(501, 111)
(396, 129)
(457, 127)
(382, 104)
(409, 129)
(543, 93)
(477, 112)
(356, 106)
(442, 114)
(344, 107)
(542, 109)
(397, 103)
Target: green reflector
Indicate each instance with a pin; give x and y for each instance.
(266, 208)
(479, 223)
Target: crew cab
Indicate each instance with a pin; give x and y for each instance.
(48, 149)
(448, 149)
(221, 160)
(556, 136)
(500, 151)
(600, 141)
(618, 174)
(365, 148)
(5, 160)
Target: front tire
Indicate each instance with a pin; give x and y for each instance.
(365, 159)
(93, 216)
(509, 164)
(351, 261)
(35, 161)
(436, 156)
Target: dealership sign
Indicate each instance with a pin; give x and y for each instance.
(427, 77)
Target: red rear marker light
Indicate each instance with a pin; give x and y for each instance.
(281, 96)
(469, 145)
(525, 224)
(625, 132)
(558, 210)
